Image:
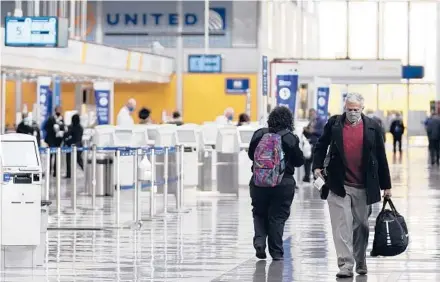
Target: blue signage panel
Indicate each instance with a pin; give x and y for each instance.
(45, 106)
(287, 86)
(205, 63)
(413, 72)
(322, 100)
(31, 31)
(265, 76)
(236, 85)
(102, 99)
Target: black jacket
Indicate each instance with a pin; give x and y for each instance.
(433, 128)
(31, 130)
(293, 154)
(397, 128)
(74, 135)
(374, 160)
(51, 139)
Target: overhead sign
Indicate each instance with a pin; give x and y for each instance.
(287, 86)
(160, 18)
(236, 85)
(323, 96)
(31, 31)
(102, 98)
(205, 63)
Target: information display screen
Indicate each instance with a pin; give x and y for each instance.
(19, 154)
(205, 63)
(31, 31)
(186, 136)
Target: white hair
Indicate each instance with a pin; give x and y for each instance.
(228, 111)
(355, 98)
(131, 102)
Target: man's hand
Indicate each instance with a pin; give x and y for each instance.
(318, 173)
(387, 193)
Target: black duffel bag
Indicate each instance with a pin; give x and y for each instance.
(391, 233)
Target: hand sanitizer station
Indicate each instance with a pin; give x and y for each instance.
(22, 224)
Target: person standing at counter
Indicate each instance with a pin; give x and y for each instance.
(125, 113)
(54, 128)
(177, 119)
(74, 137)
(144, 116)
(28, 126)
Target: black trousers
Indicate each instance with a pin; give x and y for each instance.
(434, 150)
(79, 160)
(397, 139)
(308, 166)
(270, 210)
(53, 164)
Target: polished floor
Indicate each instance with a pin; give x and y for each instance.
(211, 240)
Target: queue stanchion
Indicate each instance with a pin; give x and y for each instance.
(47, 175)
(165, 185)
(182, 178)
(118, 185)
(58, 178)
(139, 187)
(74, 175)
(179, 178)
(94, 177)
(153, 184)
(136, 222)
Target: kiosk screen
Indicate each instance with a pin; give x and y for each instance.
(19, 154)
(246, 136)
(123, 137)
(186, 136)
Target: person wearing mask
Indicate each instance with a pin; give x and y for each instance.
(125, 113)
(176, 119)
(74, 137)
(397, 129)
(432, 126)
(55, 129)
(271, 205)
(28, 126)
(227, 117)
(356, 173)
(144, 116)
(243, 119)
(312, 132)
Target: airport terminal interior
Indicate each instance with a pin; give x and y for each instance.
(125, 128)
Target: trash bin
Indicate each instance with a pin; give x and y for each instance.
(105, 185)
(41, 248)
(227, 173)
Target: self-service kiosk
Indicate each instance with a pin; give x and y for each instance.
(227, 148)
(208, 156)
(165, 136)
(124, 137)
(187, 136)
(23, 223)
(245, 134)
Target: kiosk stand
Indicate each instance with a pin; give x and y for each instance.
(245, 134)
(207, 156)
(23, 226)
(187, 137)
(165, 136)
(227, 148)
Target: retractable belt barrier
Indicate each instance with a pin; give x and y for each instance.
(139, 183)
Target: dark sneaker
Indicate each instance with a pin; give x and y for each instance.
(361, 268)
(260, 253)
(306, 179)
(344, 273)
(278, 258)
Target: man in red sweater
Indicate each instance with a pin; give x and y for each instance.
(356, 172)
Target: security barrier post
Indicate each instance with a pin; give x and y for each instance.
(139, 187)
(135, 186)
(153, 183)
(74, 184)
(118, 185)
(93, 177)
(165, 185)
(182, 182)
(47, 175)
(179, 178)
(58, 172)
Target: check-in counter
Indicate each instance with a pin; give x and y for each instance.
(228, 149)
(187, 136)
(207, 156)
(124, 137)
(245, 134)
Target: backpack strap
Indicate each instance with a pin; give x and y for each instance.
(283, 132)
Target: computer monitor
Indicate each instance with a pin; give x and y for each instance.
(246, 136)
(19, 153)
(186, 136)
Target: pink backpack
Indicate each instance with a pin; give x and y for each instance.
(269, 163)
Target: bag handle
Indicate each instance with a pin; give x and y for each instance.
(388, 200)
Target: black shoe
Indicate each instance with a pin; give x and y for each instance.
(67, 177)
(278, 258)
(260, 253)
(306, 179)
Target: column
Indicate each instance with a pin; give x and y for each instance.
(262, 46)
(44, 99)
(206, 27)
(437, 74)
(3, 104)
(99, 34)
(179, 59)
(104, 101)
(18, 100)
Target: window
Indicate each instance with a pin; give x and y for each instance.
(363, 30)
(333, 29)
(395, 31)
(422, 48)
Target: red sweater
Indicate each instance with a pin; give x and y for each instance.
(353, 139)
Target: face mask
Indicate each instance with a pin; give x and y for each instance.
(353, 117)
(230, 118)
(27, 121)
(130, 109)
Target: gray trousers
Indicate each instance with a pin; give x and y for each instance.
(349, 218)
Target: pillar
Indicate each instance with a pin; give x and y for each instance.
(3, 104)
(99, 34)
(437, 73)
(179, 59)
(18, 100)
